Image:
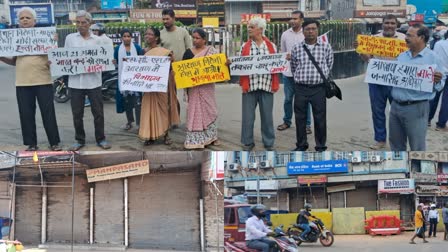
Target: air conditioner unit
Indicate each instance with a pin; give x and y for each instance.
(252, 165)
(265, 164)
(356, 160)
(233, 167)
(375, 159)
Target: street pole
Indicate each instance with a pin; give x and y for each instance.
(258, 184)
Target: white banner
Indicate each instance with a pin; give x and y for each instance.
(396, 186)
(27, 41)
(78, 60)
(396, 74)
(259, 64)
(250, 185)
(145, 74)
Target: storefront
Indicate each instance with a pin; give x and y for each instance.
(397, 194)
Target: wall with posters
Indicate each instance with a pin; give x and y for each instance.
(116, 4)
(44, 11)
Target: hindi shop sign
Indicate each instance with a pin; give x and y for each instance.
(118, 171)
(79, 60)
(259, 64)
(317, 167)
(27, 41)
(202, 70)
(145, 74)
(396, 74)
(312, 179)
(379, 46)
(396, 186)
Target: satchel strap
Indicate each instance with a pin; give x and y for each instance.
(314, 62)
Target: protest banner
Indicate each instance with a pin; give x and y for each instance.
(78, 60)
(380, 46)
(259, 64)
(145, 74)
(27, 41)
(202, 70)
(396, 74)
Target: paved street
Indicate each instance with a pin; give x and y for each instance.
(349, 122)
(346, 243)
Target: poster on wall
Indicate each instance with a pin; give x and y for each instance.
(44, 11)
(174, 4)
(116, 4)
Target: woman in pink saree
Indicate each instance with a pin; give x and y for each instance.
(201, 103)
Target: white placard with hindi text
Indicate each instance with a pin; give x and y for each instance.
(27, 41)
(396, 74)
(78, 60)
(145, 74)
(259, 64)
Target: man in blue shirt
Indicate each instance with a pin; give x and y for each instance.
(408, 120)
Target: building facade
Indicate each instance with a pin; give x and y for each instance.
(352, 180)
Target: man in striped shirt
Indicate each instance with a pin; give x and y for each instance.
(309, 85)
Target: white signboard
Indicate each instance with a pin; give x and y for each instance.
(396, 74)
(259, 64)
(145, 74)
(27, 41)
(78, 60)
(396, 186)
(264, 185)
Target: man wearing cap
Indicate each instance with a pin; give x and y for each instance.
(433, 220)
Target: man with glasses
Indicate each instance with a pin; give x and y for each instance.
(87, 84)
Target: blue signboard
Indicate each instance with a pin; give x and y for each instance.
(116, 4)
(44, 13)
(317, 167)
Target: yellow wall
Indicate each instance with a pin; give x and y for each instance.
(348, 220)
(289, 219)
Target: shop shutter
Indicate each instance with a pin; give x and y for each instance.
(28, 214)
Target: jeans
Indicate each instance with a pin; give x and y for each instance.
(306, 229)
(288, 86)
(379, 95)
(443, 113)
(262, 244)
(432, 226)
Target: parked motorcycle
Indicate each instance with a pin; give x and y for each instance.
(285, 244)
(108, 88)
(318, 231)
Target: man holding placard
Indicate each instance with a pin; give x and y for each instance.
(379, 94)
(408, 119)
(33, 82)
(86, 84)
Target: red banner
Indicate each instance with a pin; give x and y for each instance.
(246, 17)
(315, 179)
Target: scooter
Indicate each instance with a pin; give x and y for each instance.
(284, 243)
(318, 231)
(61, 91)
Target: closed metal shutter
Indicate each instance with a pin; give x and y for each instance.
(337, 200)
(363, 197)
(28, 214)
(109, 212)
(164, 211)
(60, 212)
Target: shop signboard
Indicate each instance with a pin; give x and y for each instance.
(118, 171)
(396, 186)
(317, 167)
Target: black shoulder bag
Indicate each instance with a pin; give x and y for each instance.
(331, 89)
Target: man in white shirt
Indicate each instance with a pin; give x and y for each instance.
(433, 216)
(87, 84)
(257, 232)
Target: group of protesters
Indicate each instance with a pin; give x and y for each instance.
(304, 85)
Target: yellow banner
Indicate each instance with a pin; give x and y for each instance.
(379, 46)
(118, 171)
(199, 71)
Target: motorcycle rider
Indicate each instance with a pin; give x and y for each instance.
(303, 221)
(257, 231)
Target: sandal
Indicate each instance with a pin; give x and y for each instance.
(412, 242)
(216, 142)
(167, 141)
(283, 126)
(127, 126)
(148, 142)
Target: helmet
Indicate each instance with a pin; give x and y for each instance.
(257, 209)
(308, 206)
(99, 27)
(433, 205)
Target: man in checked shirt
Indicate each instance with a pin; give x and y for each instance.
(309, 85)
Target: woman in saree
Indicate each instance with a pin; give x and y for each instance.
(159, 110)
(201, 103)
